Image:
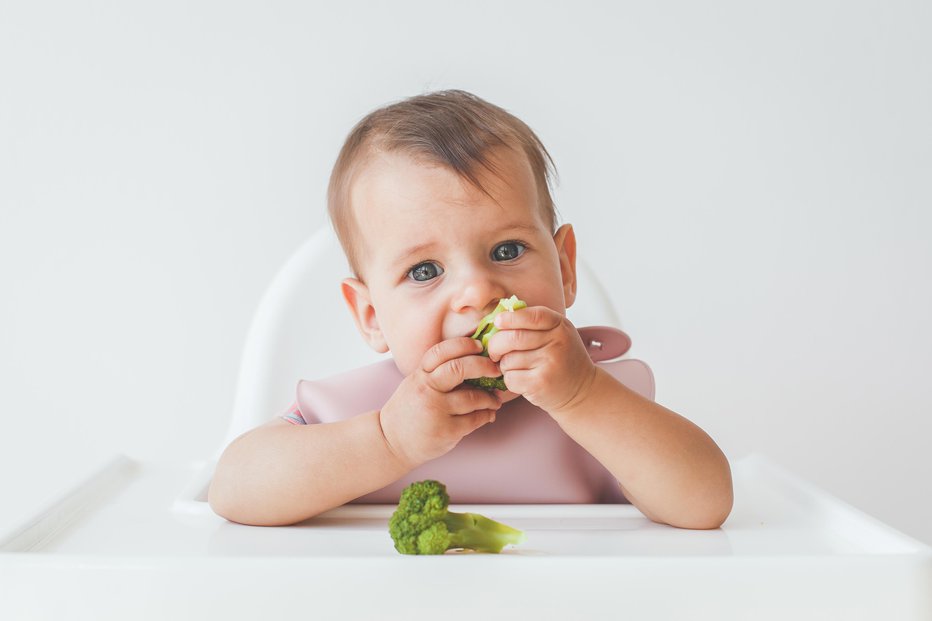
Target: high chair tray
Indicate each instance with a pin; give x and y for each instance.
(137, 540)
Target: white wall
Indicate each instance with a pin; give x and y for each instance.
(752, 180)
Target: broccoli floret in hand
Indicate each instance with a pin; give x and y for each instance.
(422, 525)
(489, 383)
(484, 332)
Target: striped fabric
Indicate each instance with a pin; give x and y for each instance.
(293, 415)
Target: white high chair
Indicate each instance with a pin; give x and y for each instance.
(136, 540)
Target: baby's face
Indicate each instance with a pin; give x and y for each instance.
(437, 254)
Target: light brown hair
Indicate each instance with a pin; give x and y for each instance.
(452, 128)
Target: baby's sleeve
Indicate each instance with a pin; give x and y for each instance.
(293, 415)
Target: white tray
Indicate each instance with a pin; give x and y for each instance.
(137, 540)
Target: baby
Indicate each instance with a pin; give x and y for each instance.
(442, 205)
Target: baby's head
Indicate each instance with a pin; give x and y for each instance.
(442, 204)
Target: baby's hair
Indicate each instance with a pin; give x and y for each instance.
(451, 128)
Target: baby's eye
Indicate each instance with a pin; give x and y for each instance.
(508, 251)
(425, 271)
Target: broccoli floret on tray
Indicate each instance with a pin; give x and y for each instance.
(422, 525)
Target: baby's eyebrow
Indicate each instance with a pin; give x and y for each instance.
(520, 226)
(405, 255)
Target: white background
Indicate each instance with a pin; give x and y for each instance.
(752, 181)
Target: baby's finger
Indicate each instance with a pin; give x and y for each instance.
(467, 423)
(448, 350)
(453, 372)
(518, 361)
(519, 380)
(506, 341)
(530, 318)
(467, 399)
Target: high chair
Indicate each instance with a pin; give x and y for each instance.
(137, 540)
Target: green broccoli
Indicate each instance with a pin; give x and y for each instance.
(484, 332)
(422, 525)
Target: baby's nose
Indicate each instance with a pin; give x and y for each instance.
(477, 293)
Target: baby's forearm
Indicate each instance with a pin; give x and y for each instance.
(667, 466)
(281, 473)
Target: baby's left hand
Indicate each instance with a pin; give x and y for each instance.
(542, 357)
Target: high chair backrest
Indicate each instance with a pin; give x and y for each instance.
(303, 330)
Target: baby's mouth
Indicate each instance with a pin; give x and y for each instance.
(475, 325)
(472, 329)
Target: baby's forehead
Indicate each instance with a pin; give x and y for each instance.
(503, 176)
(395, 196)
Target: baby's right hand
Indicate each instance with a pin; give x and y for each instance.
(432, 410)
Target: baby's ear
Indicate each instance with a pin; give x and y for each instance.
(356, 294)
(565, 241)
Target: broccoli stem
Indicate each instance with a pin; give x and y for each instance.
(477, 532)
(484, 332)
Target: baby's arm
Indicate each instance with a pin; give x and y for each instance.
(667, 467)
(282, 473)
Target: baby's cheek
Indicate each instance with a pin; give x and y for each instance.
(409, 355)
(413, 334)
(406, 362)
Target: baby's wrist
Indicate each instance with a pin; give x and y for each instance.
(393, 447)
(578, 403)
